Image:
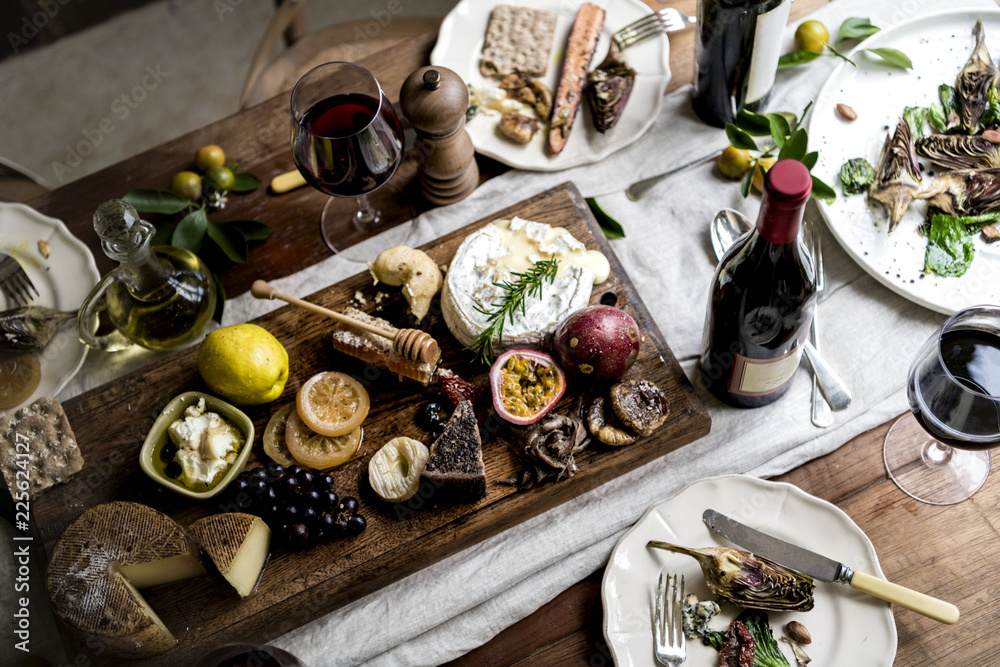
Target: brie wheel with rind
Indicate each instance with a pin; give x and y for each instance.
(394, 471)
(238, 545)
(101, 560)
(492, 254)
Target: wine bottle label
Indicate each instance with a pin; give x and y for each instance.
(758, 377)
(766, 51)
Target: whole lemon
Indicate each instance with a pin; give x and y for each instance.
(734, 162)
(243, 364)
(208, 157)
(221, 178)
(763, 165)
(186, 185)
(812, 36)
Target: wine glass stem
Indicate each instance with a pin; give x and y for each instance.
(935, 453)
(367, 214)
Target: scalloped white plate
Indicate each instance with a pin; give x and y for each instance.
(63, 281)
(847, 627)
(939, 44)
(460, 46)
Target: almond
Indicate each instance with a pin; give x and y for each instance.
(992, 136)
(798, 632)
(846, 112)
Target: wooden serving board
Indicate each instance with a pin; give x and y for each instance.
(111, 422)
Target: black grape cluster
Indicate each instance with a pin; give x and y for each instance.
(299, 505)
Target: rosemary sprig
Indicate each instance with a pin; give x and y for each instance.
(518, 289)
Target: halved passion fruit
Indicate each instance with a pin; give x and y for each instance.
(526, 384)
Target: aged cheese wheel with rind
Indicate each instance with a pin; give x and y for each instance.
(101, 560)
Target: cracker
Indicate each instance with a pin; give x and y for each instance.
(37, 440)
(518, 39)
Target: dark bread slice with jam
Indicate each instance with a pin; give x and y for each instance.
(456, 462)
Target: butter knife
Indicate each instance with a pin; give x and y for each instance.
(828, 570)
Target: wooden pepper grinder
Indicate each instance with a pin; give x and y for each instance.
(434, 100)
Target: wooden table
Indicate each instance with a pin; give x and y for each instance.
(949, 552)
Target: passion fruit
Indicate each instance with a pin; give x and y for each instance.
(526, 384)
(597, 342)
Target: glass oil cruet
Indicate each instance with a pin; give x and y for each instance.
(159, 297)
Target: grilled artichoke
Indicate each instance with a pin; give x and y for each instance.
(897, 174)
(30, 327)
(608, 89)
(747, 580)
(959, 151)
(965, 192)
(973, 84)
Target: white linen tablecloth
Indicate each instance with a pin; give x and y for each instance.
(868, 333)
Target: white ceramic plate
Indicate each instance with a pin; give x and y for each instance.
(939, 44)
(847, 627)
(63, 281)
(460, 46)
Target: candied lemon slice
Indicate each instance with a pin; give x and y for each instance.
(274, 436)
(312, 450)
(394, 471)
(332, 403)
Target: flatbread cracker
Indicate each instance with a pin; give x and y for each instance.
(37, 441)
(518, 39)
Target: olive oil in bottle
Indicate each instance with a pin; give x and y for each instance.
(159, 297)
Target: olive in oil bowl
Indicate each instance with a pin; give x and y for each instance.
(153, 465)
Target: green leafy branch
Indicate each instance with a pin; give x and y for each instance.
(517, 290)
(851, 31)
(787, 141)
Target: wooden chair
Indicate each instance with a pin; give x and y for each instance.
(348, 41)
(20, 184)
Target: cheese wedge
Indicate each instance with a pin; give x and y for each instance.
(238, 544)
(101, 560)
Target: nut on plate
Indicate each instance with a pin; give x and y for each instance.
(798, 632)
(846, 112)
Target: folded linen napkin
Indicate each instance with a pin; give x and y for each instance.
(869, 334)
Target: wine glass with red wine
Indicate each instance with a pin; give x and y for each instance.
(939, 453)
(346, 141)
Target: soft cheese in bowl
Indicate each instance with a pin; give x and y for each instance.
(492, 255)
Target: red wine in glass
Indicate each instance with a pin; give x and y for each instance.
(342, 150)
(956, 401)
(954, 396)
(346, 141)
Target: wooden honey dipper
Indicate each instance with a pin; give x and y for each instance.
(413, 344)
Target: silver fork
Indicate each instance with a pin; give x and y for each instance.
(670, 644)
(14, 282)
(822, 415)
(665, 20)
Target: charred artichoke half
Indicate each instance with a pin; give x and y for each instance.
(747, 580)
(965, 192)
(959, 151)
(973, 84)
(30, 327)
(897, 174)
(608, 89)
